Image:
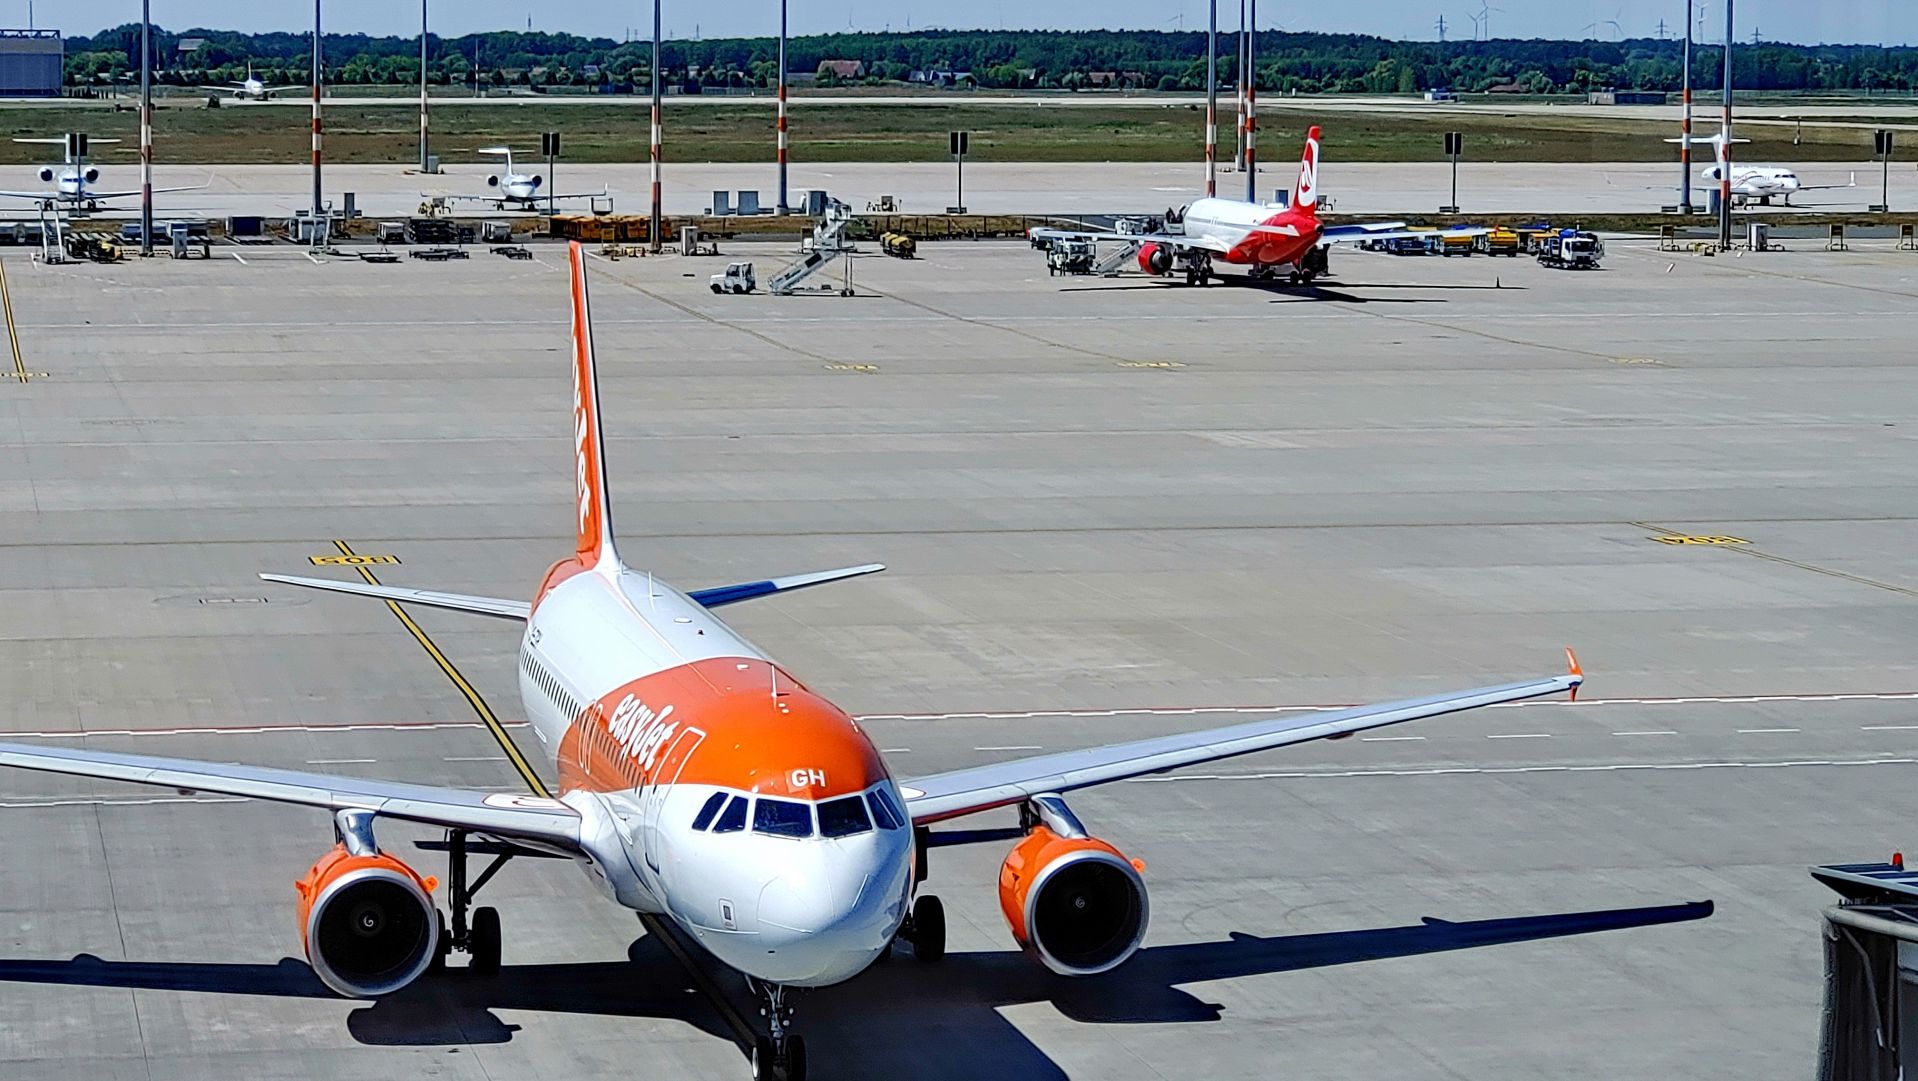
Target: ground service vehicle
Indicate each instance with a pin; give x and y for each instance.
(898, 245)
(1571, 249)
(1069, 255)
(1500, 241)
(1415, 244)
(737, 278)
(1463, 244)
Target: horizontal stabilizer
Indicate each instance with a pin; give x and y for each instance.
(745, 591)
(458, 602)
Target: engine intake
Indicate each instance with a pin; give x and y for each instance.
(493, 181)
(1075, 902)
(46, 174)
(92, 176)
(367, 922)
(1155, 259)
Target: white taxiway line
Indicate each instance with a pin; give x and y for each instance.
(237, 259)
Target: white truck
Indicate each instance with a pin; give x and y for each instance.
(1571, 249)
(737, 278)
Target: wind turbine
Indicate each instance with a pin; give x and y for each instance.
(1474, 19)
(1485, 17)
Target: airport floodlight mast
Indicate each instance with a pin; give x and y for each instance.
(783, 208)
(146, 127)
(1685, 123)
(652, 230)
(1251, 80)
(318, 238)
(423, 161)
(1725, 150)
(1211, 96)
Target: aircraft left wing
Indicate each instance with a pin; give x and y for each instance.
(544, 822)
(458, 602)
(1171, 240)
(91, 194)
(1852, 183)
(941, 796)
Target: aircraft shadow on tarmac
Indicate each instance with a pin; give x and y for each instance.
(897, 1019)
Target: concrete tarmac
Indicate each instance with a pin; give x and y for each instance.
(1110, 508)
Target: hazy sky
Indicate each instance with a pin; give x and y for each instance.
(1890, 21)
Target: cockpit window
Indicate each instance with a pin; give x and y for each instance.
(843, 817)
(705, 816)
(782, 818)
(885, 811)
(733, 819)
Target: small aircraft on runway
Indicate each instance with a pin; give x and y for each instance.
(253, 89)
(514, 191)
(73, 179)
(1267, 238)
(701, 784)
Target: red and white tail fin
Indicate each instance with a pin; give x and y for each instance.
(595, 511)
(1306, 199)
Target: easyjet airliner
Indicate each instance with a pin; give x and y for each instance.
(700, 782)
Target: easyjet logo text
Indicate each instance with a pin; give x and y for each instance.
(640, 731)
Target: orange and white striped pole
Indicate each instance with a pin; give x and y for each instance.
(783, 208)
(657, 221)
(1211, 100)
(1251, 103)
(318, 78)
(1685, 124)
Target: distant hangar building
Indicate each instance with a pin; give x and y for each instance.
(31, 63)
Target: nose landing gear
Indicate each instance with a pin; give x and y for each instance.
(781, 1054)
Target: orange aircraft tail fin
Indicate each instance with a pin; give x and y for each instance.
(594, 509)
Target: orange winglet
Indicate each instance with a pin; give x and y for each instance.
(1571, 662)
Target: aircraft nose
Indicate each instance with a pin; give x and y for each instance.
(821, 923)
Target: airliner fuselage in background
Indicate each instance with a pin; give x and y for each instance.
(701, 783)
(1267, 239)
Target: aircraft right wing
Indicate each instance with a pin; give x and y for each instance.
(91, 194)
(1170, 240)
(29, 195)
(546, 823)
(962, 792)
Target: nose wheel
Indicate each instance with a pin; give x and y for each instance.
(781, 1054)
(925, 929)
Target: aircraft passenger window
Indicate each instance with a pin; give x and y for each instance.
(705, 816)
(734, 818)
(885, 811)
(782, 818)
(843, 817)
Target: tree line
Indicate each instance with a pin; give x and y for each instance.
(1288, 63)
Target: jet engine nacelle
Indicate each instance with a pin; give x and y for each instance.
(46, 175)
(492, 181)
(91, 176)
(1154, 259)
(367, 922)
(537, 180)
(1075, 903)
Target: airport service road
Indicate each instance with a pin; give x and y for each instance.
(391, 191)
(1111, 508)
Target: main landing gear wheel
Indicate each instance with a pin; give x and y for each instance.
(480, 940)
(928, 930)
(483, 942)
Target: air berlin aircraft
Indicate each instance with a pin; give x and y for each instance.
(701, 783)
(1265, 238)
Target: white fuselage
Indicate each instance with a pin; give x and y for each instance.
(1227, 221)
(1756, 180)
(621, 663)
(519, 188)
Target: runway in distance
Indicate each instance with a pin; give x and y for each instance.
(74, 178)
(702, 783)
(1267, 238)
